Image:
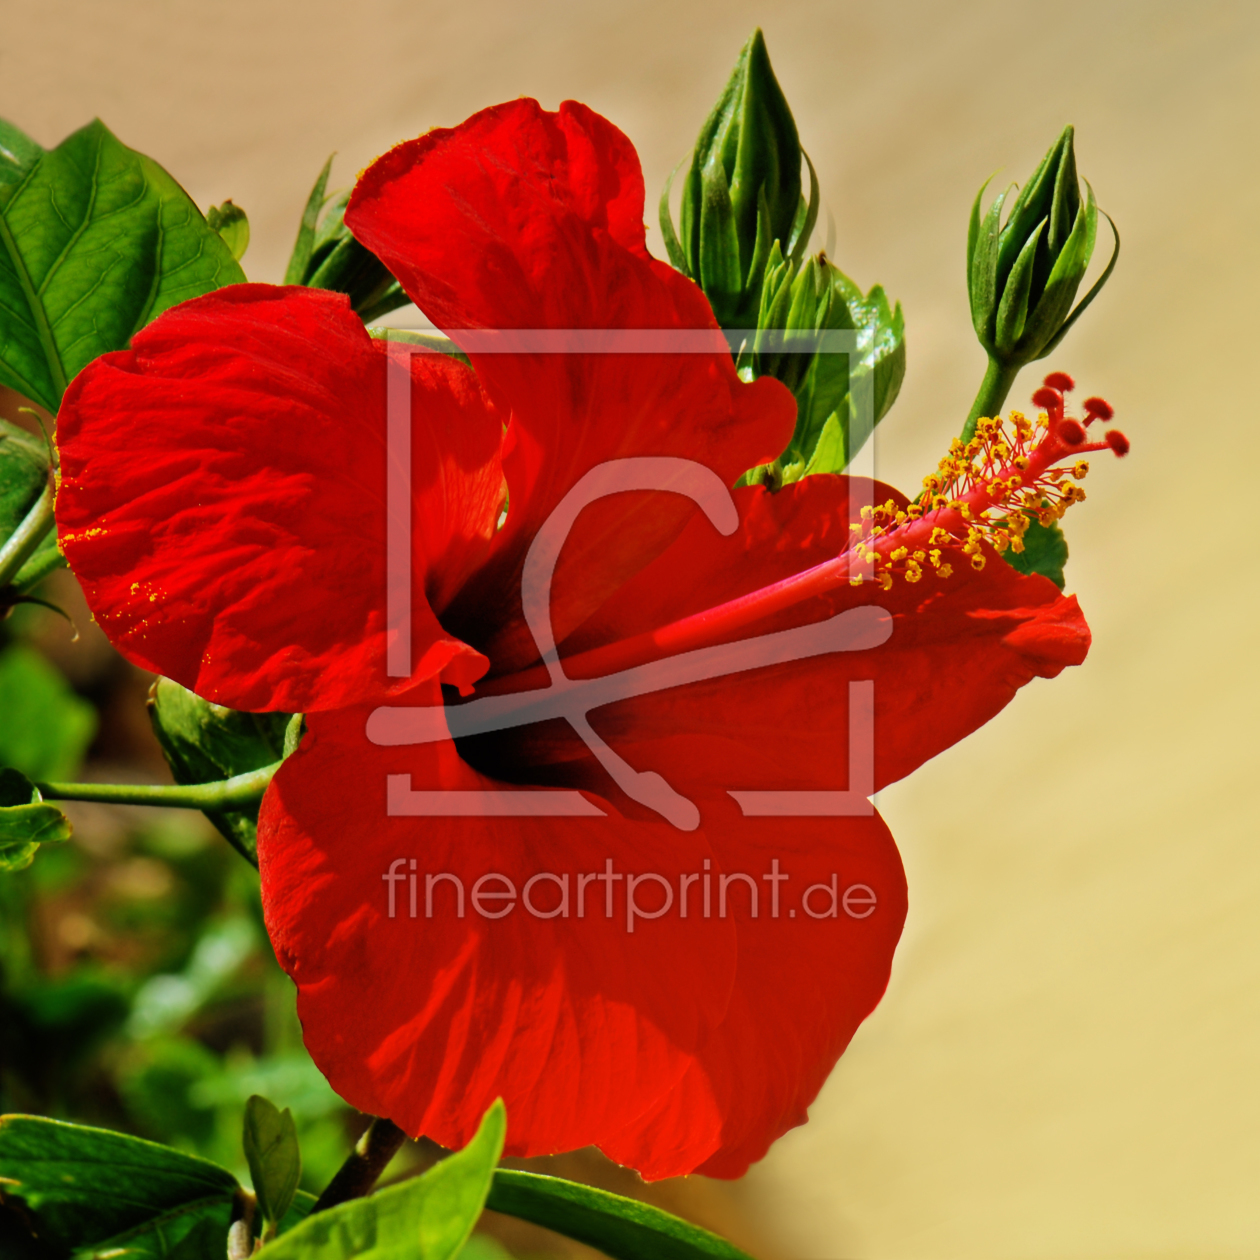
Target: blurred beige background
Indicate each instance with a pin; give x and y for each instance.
(1068, 1060)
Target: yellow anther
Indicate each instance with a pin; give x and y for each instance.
(934, 556)
(1080, 468)
(899, 554)
(867, 513)
(886, 580)
(946, 570)
(1020, 462)
(919, 556)
(977, 562)
(914, 511)
(913, 572)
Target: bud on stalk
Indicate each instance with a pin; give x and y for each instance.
(742, 193)
(1023, 276)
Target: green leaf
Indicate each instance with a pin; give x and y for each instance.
(204, 742)
(196, 1231)
(95, 241)
(46, 728)
(86, 1185)
(429, 1218)
(621, 1228)
(231, 223)
(26, 822)
(18, 153)
(271, 1150)
(1045, 552)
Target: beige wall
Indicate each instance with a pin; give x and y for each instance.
(1067, 1062)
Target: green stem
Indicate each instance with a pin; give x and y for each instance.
(993, 390)
(35, 570)
(26, 538)
(241, 790)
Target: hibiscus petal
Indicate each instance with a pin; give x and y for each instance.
(222, 499)
(523, 219)
(814, 961)
(579, 1024)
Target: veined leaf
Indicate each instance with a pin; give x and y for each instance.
(95, 241)
(85, 1185)
(429, 1218)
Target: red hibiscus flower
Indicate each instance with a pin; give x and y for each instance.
(223, 500)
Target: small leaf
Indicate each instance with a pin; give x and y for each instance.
(429, 1218)
(271, 1150)
(1045, 552)
(26, 822)
(621, 1228)
(95, 241)
(86, 1185)
(231, 223)
(204, 742)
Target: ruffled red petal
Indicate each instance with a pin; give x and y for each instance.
(577, 1023)
(523, 219)
(222, 499)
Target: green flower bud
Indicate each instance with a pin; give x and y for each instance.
(326, 256)
(1023, 276)
(800, 304)
(742, 192)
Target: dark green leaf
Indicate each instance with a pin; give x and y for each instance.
(1045, 552)
(85, 1185)
(271, 1150)
(46, 728)
(204, 742)
(621, 1228)
(95, 242)
(196, 1231)
(429, 1217)
(231, 223)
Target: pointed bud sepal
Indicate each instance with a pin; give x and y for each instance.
(1023, 275)
(327, 256)
(742, 192)
(841, 394)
